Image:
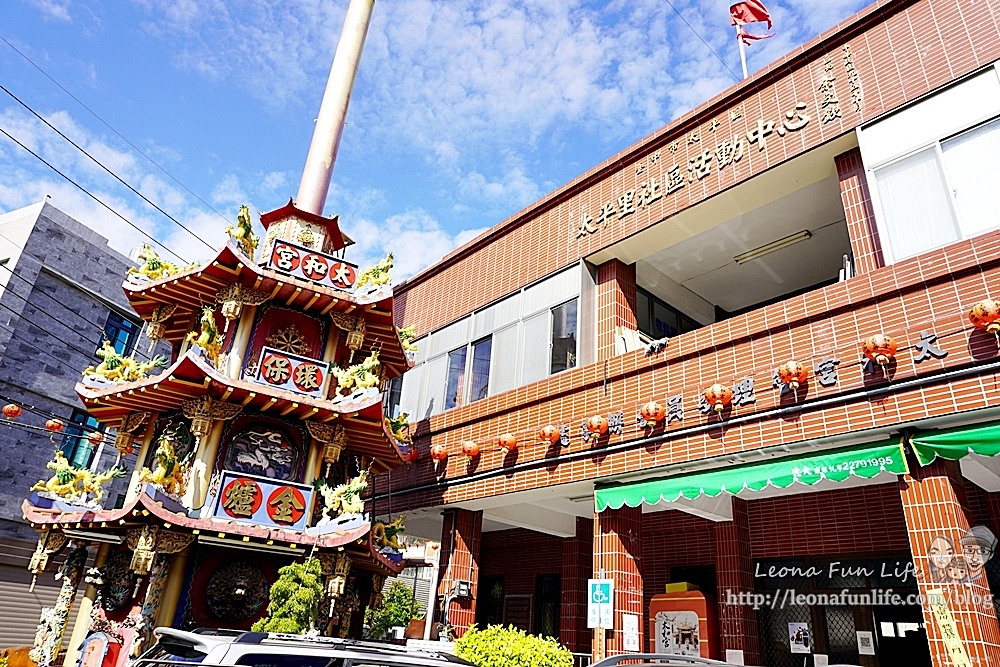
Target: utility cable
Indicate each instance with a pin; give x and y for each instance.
(93, 196)
(89, 324)
(108, 125)
(102, 166)
(696, 34)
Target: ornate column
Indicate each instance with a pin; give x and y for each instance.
(81, 625)
(52, 625)
(173, 588)
(233, 299)
(135, 484)
(207, 416)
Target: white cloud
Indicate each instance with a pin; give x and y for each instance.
(56, 10)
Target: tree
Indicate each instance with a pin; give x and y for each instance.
(398, 608)
(295, 599)
(497, 646)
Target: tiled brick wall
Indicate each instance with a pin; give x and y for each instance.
(577, 568)
(734, 573)
(461, 536)
(901, 50)
(868, 519)
(935, 504)
(615, 304)
(861, 228)
(932, 292)
(618, 552)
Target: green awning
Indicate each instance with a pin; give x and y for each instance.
(866, 462)
(957, 442)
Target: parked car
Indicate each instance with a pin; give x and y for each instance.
(226, 648)
(668, 660)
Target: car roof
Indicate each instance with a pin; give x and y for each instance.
(205, 640)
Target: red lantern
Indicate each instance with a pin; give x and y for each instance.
(12, 411)
(597, 426)
(439, 453)
(96, 438)
(55, 425)
(653, 413)
(793, 373)
(410, 454)
(507, 442)
(879, 348)
(719, 396)
(470, 448)
(986, 315)
(549, 433)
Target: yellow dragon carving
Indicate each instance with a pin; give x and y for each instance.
(361, 376)
(208, 338)
(242, 232)
(377, 275)
(117, 368)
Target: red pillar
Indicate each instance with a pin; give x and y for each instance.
(618, 553)
(461, 536)
(936, 510)
(577, 565)
(860, 215)
(734, 574)
(615, 304)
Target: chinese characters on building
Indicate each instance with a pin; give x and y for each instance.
(312, 265)
(829, 105)
(284, 370)
(729, 150)
(263, 501)
(852, 78)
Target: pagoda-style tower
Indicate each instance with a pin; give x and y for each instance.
(255, 441)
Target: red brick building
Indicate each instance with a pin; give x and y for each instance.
(848, 190)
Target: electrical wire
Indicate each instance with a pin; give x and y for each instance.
(108, 125)
(88, 323)
(698, 35)
(102, 166)
(92, 196)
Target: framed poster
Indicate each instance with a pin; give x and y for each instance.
(799, 640)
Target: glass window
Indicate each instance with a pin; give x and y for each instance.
(121, 332)
(917, 213)
(563, 337)
(642, 311)
(455, 384)
(975, 183)
(664, 320)
(392, 396)
(481, 352)
(76, 445)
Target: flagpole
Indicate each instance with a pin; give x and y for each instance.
(743, 52)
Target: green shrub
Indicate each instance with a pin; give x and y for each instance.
(497, 646)
(398, 608)
(295, 599)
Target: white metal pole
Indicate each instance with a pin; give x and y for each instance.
(333, 111)
(743, 52)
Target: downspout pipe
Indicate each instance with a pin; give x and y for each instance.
(325, 143)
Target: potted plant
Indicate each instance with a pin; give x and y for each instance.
(397, 610)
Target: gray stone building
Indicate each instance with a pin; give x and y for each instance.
(60, 296)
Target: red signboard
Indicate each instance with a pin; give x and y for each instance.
(241, 498)
(284, 370)
(312, 265)
(286, 505)
(262, 501)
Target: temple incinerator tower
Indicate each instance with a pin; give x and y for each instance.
(256, 440)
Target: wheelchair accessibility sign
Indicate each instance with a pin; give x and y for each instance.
(600, 603)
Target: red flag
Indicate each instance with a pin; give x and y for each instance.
(749, 11)
(746, 36)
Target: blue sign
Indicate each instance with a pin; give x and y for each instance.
(262, 501)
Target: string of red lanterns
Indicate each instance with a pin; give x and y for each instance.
(719, 396)
(793, 374)
(879, 348)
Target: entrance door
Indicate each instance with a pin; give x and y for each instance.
(902, 639)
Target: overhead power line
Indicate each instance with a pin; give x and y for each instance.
(703, 41)
(105, 168)
(92, 195)
(108, 125)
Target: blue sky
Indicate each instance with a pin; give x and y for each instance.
(464, 111)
